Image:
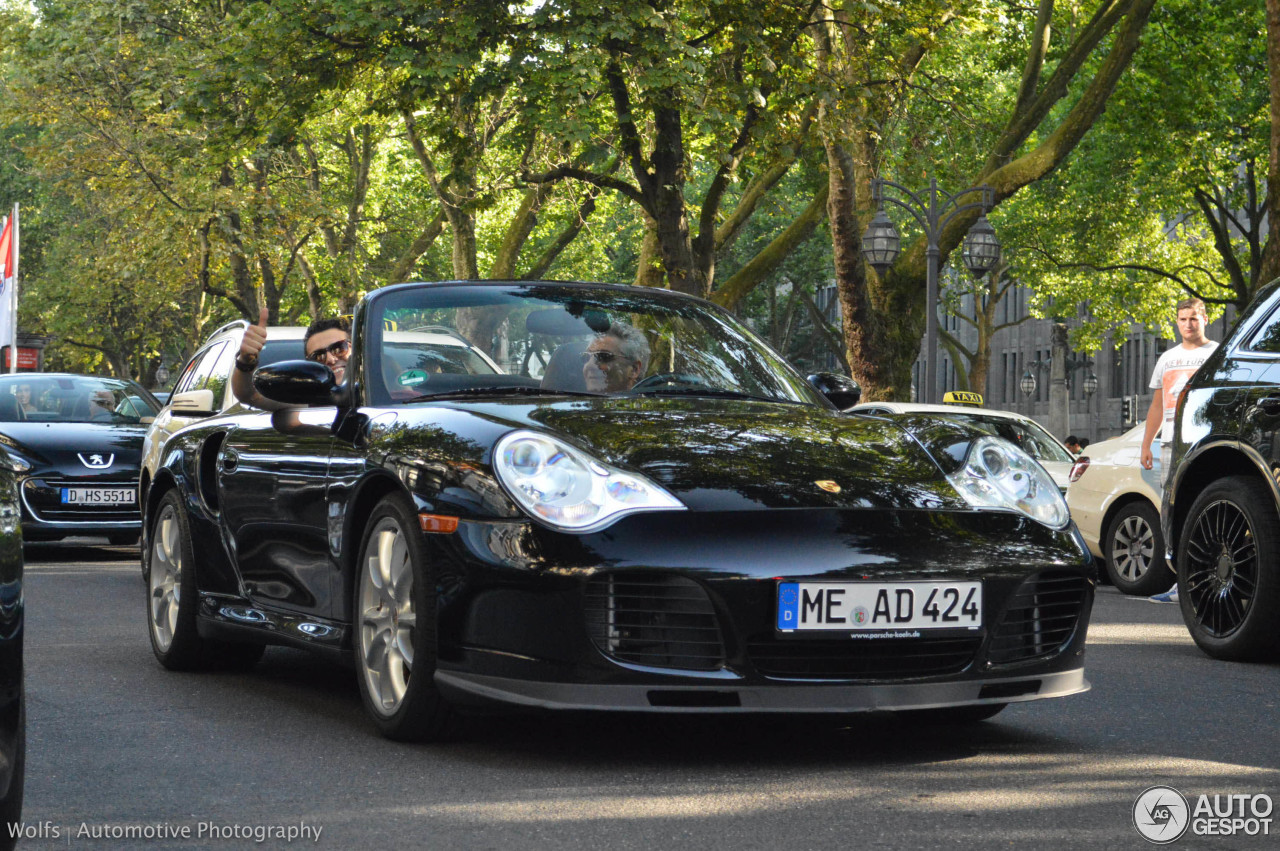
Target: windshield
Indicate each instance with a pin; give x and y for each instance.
(1027, 434)
(564, 339)
(73, 399)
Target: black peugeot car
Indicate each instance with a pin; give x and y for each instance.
(634, 505)
(1221, 512)
(77, 442)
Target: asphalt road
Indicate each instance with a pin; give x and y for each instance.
(118, 744)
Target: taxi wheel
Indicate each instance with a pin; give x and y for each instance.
(1135, 551)
(172, 598)
(1228, 572)
(395, 626)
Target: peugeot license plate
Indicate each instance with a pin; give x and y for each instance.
(865, 606)
(99, 496)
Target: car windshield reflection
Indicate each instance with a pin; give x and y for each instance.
(447, 341)
(72, 399)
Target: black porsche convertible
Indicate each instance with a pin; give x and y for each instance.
(626, 502)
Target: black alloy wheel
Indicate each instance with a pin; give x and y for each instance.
(1228, 576)
(1134, 550)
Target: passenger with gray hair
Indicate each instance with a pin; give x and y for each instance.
(615, 359)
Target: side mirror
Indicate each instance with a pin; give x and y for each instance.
(299, 382)
(193, 403)
(840, 390)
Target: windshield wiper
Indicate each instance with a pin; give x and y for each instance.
(508, 390)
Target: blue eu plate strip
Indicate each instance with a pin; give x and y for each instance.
(788, 605)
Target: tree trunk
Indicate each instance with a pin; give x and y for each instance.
(884, 315)
(649, 271)
(1270, 266)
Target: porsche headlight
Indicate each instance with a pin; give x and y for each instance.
(566, 488)
(999, 475)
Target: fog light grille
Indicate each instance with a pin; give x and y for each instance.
(656, 620)
(1041, 618)
(844, 659)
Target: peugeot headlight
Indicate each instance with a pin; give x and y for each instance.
(566, 488)
(11, 460)
(999, 475)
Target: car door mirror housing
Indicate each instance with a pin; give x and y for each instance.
(298, 382)
(840, 390)
(194, 403)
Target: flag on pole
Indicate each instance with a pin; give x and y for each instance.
(9, 288)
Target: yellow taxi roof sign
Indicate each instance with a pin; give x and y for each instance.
(962, 397)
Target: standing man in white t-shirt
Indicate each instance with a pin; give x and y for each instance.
(1174, 368)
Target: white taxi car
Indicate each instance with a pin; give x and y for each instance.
(203, 388)
(966, 407)
(1116, 506)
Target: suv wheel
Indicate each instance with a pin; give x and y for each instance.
(1135, 551)
(1228, 574)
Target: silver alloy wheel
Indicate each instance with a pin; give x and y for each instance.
(387, 616)
(1133, 548)
(166, 577)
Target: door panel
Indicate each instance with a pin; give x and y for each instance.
(272, 476)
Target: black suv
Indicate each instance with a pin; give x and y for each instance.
(1221, 511)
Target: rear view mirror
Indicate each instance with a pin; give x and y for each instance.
(299, 382)
(193, 403)
(840, 390)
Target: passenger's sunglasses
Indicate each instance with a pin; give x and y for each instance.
(604, 357)
(337, 349)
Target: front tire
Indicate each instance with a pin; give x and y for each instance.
(171, 590)
(395, 628)
(1135, 551)
(172, 598)
(1228, 578)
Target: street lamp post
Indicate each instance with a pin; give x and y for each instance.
(1091, 387)
(881, 245)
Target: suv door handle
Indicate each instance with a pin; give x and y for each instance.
(1270, 404)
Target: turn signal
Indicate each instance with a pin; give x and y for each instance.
(1078, 468)
(439, 523)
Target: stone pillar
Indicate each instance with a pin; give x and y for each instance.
(1059, 398)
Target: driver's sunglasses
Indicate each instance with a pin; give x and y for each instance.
(604, 357)
(337, 349)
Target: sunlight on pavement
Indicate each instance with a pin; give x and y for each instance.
(1138, 633)
(1014, 783)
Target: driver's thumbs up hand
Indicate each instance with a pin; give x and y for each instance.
(254, 337)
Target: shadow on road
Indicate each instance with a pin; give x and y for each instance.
(76, 550)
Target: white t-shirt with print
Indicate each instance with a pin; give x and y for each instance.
(1173, 370)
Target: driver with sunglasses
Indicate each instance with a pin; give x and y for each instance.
(327, 341)
(615, 359)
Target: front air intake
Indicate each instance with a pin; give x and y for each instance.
(655, 620)
(1041, 617)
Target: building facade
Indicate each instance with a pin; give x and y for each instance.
(1123, 367)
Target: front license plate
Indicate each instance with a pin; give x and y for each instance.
(869, 606)
(99, 496)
